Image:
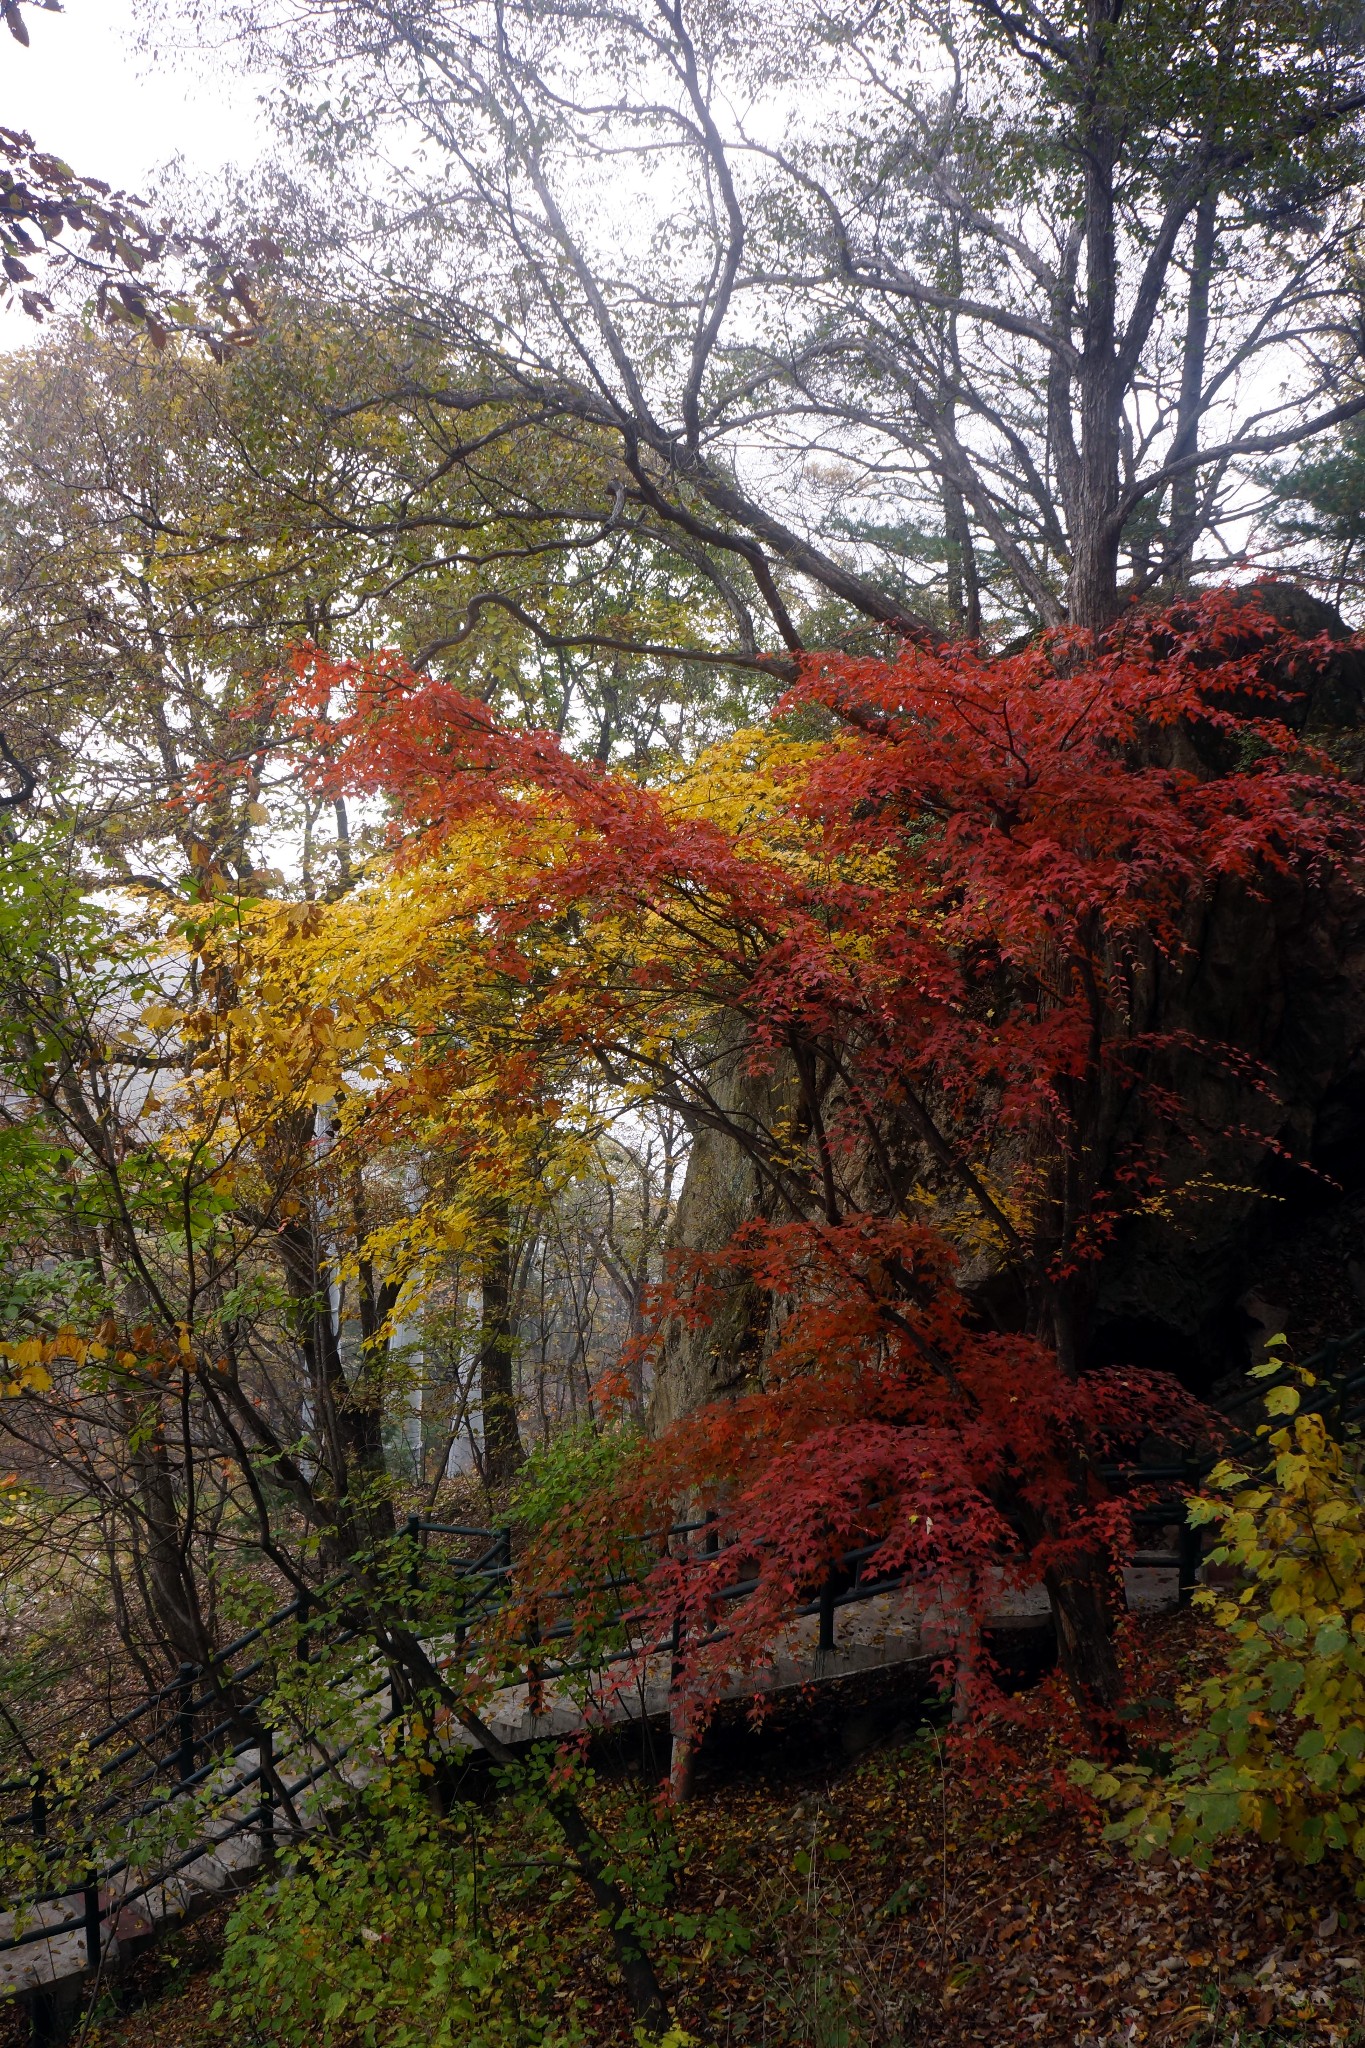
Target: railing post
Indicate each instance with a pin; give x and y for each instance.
(184, 1755)
(826, 1642)
(535, 1682)
(265, 1752)
(1191, 1555)
(682, 1749)
(91, 1900)
(412, 1533)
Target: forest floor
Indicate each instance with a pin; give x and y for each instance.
(899, 1893)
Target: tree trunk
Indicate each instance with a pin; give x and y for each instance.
(1085, 1650)
(964, 585)
(162, 1557)
(1095, 535)
(168, 1586)
(376, 1305)
(1185, 489)
(1095, 572)
(349, 1430)
(502, 1447)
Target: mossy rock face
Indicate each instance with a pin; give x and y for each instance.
(1321, 698)
(721, 1192)
(1318, 697)
(1334, 696)
(1280, 977)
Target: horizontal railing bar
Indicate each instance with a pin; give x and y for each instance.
(455, 1529)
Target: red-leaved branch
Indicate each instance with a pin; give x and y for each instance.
(926, 998)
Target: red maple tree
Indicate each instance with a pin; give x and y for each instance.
(939, 967)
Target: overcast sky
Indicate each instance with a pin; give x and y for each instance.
(85, 91)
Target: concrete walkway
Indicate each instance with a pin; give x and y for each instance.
(876, 1633)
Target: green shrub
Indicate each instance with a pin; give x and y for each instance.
(561, 1472)
(1276, 1744)
(396, 1929)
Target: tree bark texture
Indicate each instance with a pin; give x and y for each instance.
(502, 1446)
(1086, 1653)
(1094, 525)
(348, 1426)
(1185, 490)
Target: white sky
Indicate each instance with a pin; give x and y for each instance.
(86, 92)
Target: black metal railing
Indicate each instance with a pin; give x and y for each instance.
(153, 1758)
(157, 1756)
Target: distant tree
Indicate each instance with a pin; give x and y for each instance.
(998, 314)
(170, 525)
(1316, 521)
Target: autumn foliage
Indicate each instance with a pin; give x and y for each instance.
(925, 917)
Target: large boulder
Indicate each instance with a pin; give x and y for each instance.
(1280, 978)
